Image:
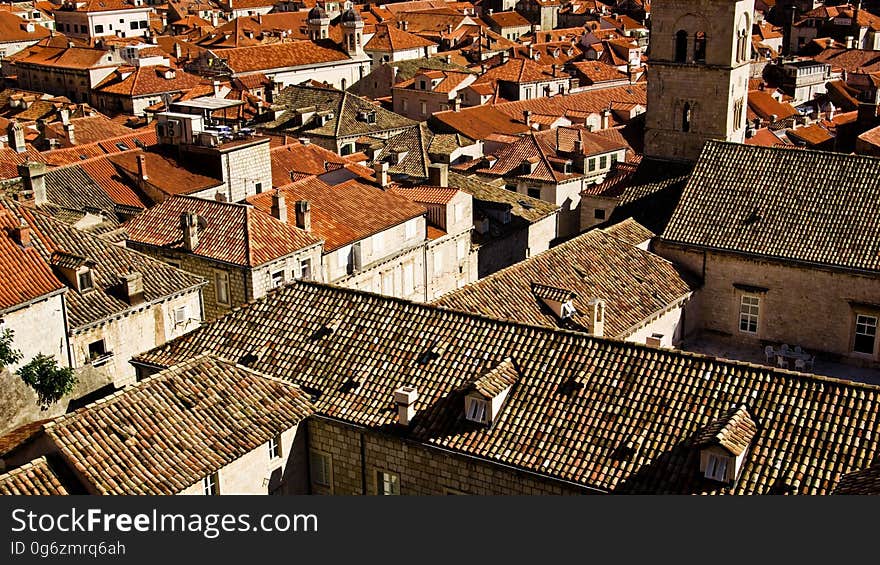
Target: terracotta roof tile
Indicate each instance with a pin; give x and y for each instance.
(388, 38)
(34, 478)
(173, 429)
(274, 56)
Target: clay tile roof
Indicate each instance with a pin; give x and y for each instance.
(864, 481)
(25, 274)
(518, 70)
(308, 159)
(813, 134)
(495, 380)
(277, 55)
(145, 81)
(389, 38)
(630, 231)
(733, 431)
(480, 122)
(741, 198)
(577, 400)
(64, 57)
(15, 29)
(165, 172)
(232, 233)
(762, 103)
(507, 19)
(634, 283)
(521, 206)
(346, 212)
(424, 194)
(596, 71)
(34, 478)
(87, 130)
(173, 429)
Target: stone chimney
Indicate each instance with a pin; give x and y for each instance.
(279, 206)
(405, 398)
(438, 175)
(596, 311)
(456, 104)
(69, 133)
(178, 51)
(15, 136)
(142, 167)
(132, 287)
(303, 215)
(381, 169)
(849, 41)
(216, 85)
(33, 176)
(606, 119)
(189, 224)
(527, 118)
(65, 115)
(22, 234)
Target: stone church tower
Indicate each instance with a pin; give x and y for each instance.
(698, 75)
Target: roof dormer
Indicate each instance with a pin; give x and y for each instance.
(559, 300)
(76, 270)
(485, 395)
(723, 445)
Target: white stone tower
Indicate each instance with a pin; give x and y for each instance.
(318, 23)
(698, 75)
(353, 33)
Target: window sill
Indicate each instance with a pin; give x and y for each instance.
(100, 361)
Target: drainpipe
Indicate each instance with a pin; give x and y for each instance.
(363, 465)
(67, 332)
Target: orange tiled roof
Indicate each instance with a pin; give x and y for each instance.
(165, 172)
(295, 158)
(232, 233)
(507, 19)
(34, 478)
(14, 29)
(425, 194)
(145, 81)
(389, 38)
(273, 56)
(87, 130)
(346, 212)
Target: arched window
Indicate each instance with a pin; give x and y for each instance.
(686, 117)
(344, 84)
(742, 46)
(700, 47)
(681, 46)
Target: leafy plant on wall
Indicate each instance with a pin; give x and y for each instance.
(42, 373)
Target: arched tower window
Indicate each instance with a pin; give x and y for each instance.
(681, 46)
(686, 117)
(700, 47)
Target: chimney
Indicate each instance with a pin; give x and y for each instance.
(303, 215)
(33, 175)
(405, 25)
(22, 234)
(189, 223)
(596, 310)
(216, 85)
(456, 104)
(142, 167)
(65, 115)
(279, 206)
(132, 287)
(527, 118)
(849, 41)
(606, 119)
(489, 12)
(405, 398)
(381, 169)
(70, 44)
(438, 175)
(304, 140)
(448, 29)
(15, 134)
(69, 132)
(178, 51)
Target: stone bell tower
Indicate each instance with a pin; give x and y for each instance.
(698, 75)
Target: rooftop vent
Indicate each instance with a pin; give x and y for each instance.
(405, 398)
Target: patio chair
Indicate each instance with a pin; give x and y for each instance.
(784, 348)
(810, 362)
(782, 361)
(797, 349)
(800, 364)
(769, 354)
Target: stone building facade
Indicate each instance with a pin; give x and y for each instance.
(698, 75)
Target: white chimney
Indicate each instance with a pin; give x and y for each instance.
(32, 175)
(405, 398)
(15, 134)
(596, 310)
(279, 206)
(438, 175)
(606, 119)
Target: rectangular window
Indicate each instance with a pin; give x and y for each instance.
(133, 25)
(423, 85)
(716, 468)
(305, 269)
(534, 192)
(86, 281)
(410, 228)
(221, 288)
(275, 447)
(258, 187)
(866, 334)
(387, 484)
(476, 410)
(591, 165)
(423, 108)
(145, 24)
(599, 214)
(613, 158)
(408, 282)
(180, 315)
(321, 468)
(98, 351)
(748, 314)
(388, 283)
(211, 485)
(99, 28)
(277, 279)
(343, 256)
(603, 161)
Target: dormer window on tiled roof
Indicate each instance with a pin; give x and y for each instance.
(723, 445)
(77, 270)
(559, 300)
(485, 394)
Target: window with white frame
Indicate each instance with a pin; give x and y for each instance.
(716, 467)
(321, 467)
(410, 228)
(275, 447)
(343, 256)
(388, 283)
(438, 261)
(866, 334)
(305, 269)
(408, 279)
(477, 410)
(748, 313)
(423, 108)
(181, 315)
(85, 280)
(211, 485)
(277, 279)
(221, 287)
(387, 484)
